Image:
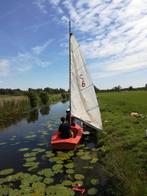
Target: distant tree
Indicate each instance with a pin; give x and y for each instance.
(33, 98)
(130, 88)
(145, 86)
(117, 88)
(44, 97)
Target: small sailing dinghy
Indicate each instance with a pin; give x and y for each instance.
(83, 101)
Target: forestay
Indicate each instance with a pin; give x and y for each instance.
(84, 104)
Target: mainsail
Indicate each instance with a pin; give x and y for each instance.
(84, 104)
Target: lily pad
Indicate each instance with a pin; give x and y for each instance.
(31, 164)
(37, 150)
(67, 183)
(92, 191)
(57, 167)
(69, 165)
(44, 133)
(2, 143)
(86, 157)
(6, 171)
(79, 177)
(59, 190)
(94, 160)
(79, 182)
(70, 171)
(30, 136)
(46, 172)
(31, 154)
(48, 180)
(94, 181)
(30, 159)
(49, 154)
(23, 149)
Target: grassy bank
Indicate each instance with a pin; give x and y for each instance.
(124, 142)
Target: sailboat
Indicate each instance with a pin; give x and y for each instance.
(83, 101)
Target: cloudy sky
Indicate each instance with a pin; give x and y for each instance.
(34, 41)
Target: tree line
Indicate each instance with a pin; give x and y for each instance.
(119, 88)
(9, 91)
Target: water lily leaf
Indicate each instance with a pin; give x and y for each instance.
(31, 164)
(39, 187)
(42, 144)
(37, 150)
(49, 154)
(30, 159)
(94, 160)
(80, 146)
(79, 176)
(4, 190)
(15, 192)
(31, 154)
(92, 191)
(44, 133)
(86, 157)
(67, 183)
(46, 172)
(30, 136)
(94, 181)
(48, 180)
(23, 149)
(59, 190)
(70, 171)
(63, 155)
(57, 167)
(79, 182)
(6, 171)
(69, 165)
(2, 143)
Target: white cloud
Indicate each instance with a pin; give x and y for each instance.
(25, 61)
(39, 49)
(112, 31)
(4, 67)
(41, 5)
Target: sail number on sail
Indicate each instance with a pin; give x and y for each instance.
(83, 84)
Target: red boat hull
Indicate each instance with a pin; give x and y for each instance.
(67, 144)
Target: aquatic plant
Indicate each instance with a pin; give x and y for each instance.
(70, 171)
(6, 171)
(79, 177)
(23, 149)
(94, 181)
(92, 191)
(59, 190)
(46, 172)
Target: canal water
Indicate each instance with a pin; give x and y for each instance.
(29, 166)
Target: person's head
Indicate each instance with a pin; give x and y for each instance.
(62, 119)
(68, 110)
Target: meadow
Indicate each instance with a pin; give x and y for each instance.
(123, 140)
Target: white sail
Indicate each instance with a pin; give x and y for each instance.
(84, 104)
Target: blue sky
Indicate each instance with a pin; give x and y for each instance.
(34, 42)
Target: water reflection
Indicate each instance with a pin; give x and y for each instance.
(44, 110)
(33, 116)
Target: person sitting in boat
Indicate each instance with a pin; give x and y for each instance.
(68, 115)
(64, 129)
(73, 121)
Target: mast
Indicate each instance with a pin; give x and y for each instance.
(70, 69)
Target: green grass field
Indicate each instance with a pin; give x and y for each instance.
(124, 140)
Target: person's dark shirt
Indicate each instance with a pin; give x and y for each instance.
(64, 130)
(68, 117)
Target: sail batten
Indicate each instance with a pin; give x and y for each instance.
(84, 104)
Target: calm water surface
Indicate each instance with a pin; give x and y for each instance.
(25, 147)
